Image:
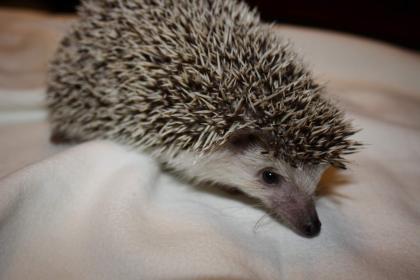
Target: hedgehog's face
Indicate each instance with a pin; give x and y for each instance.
(243, 163)
(288, 192)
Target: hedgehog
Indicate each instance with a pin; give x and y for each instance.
(208, 90)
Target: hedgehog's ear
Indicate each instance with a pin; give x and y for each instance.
(243, 139)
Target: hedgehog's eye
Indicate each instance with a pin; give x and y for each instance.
(270, 178)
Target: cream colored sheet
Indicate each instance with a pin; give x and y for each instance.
(98, 211)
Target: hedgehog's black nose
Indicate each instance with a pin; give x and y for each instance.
(312, 228)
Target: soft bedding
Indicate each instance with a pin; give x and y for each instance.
(101, 211)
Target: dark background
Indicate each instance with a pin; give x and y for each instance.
(397, 22)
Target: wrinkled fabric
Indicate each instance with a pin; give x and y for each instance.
(102, 211)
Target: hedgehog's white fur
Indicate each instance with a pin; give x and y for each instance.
(239, 170)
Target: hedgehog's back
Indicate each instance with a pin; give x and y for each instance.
(143, 71)
(182, 74)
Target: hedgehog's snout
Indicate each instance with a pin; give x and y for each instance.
(304, 220)
(296, 208)
(312, 227)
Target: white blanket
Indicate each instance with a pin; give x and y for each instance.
(100, 211)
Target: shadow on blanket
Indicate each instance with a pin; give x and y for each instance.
(331, 181)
